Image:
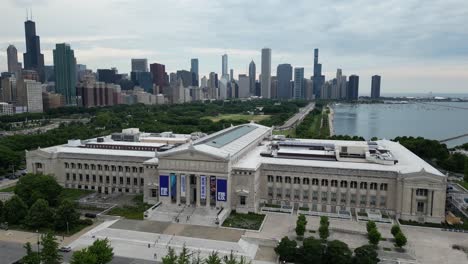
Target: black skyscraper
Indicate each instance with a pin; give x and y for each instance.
(318, 79)
(375, 87)
(353, 87)
(284, 75)
(33, 59)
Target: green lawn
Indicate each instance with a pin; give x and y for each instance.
(8, 189)
(73, 194)
(245, 221)
(134, 212)
(255, 118)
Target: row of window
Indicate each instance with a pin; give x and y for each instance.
(99, 189)
(324, 182)
(101, 167)
(324, 197)
(100, 178)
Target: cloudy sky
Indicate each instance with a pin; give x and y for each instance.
(416, 45)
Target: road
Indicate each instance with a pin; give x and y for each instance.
(297, 118)
(11, 252)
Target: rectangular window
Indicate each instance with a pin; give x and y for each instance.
(74, 176)
(363, 200)
(100, 178)
(121, 180)
(305, 194)
(353, 199)
(135, 181)
(128, 181)
(296, 194)
(68, 176)
(142, 181)
(324, 196)
(383, 201)
(242, 200)
(315, 196)
(114, 180)
(279, 193)
(420, 207)
(333, 197)
(81, 177)
(94, 178)
(107, 179)
(270, 191)
(373, 200)
(87, 177)
(154, 192)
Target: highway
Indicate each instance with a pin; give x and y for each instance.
(297, 118)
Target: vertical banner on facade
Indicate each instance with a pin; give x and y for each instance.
(221, 190)
(173, 186)
(163, 185)
(182, 185)
(202, 187)
(212, 188)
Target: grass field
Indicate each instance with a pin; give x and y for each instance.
(245, 221)
(8, 189)
(134, 212)
(73, 194)
(255, 118)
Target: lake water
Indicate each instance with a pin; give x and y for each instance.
(430, 120)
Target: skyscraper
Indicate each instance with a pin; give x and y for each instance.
(318, 79)
(139, 65)
(252, 77)
(375, 87)
(284, 75)
(33, 59)
(244, 86)
(65, 73)
(194, 71)
(231, 75)
(353, 87)
(13, 65)
(185, 76)
(298, 83)
(159, 75)
(265, 81)
(224, 62)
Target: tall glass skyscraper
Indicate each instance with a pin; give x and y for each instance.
(33, 58)
(284, 77)
(298, 83)
(353, 87)
(224, 61)
(65, 73)
(194, 71)
(375, 87)
(318, 79)
(265, 81)
(252, 78)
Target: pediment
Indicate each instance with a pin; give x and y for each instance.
(424, 177)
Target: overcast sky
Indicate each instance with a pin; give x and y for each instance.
(415, 45)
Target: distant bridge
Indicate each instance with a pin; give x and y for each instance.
(452, 138)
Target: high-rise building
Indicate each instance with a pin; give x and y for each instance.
(252, 77)
(212, 92)
(265, 81)
(6, 109)
(298, 83)
(159, 75)
(30, 95)
(204, 82)
(375, 87)
(12, 57)
(81, 71)
(194, 71)
(318, 79)
(186, 77)
(143, 79)
(244, 86)
(139, 65)
(274, 87)
(284, 75)
(33, 58)
(9, 91)
(231, 75)
(353, 87)
(49, 73)
(65, 73)
(224, 61)
(107, 75)
(308, 89)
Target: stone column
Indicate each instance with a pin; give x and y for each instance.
(178, 189)
(208, 193)
(413, 198)
(429, 202)
(187, 189)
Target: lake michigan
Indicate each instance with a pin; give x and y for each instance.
(433, 120)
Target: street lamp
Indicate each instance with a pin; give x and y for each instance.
(37, 232)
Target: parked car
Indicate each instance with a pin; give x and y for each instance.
(65, 249)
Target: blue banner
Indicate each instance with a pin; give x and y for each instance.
(173, 186)
(221, 190)
(202, 187)
(163, 185)
(182, 185)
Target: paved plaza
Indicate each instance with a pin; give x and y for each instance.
(185, 214)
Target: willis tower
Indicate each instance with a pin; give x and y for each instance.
(33, 59)
(318, 79)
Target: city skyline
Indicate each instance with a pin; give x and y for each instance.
(412, 66)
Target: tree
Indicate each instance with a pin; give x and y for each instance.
(324, 232)
(32, 187)
(466, 170)
(31, 256)
(83, 257)
(231, 259)
(39, 214)
(365, 255)
(66, 214)
(15, 210)
(301, 225)
(338, 252)
(374, 236)
(50, 253)
(286, 249)
(400, 240)
(103, 251)
(213, 258)
(370, 225)
(170, 258)
(312, 251)
(184, 256)
(395, 229)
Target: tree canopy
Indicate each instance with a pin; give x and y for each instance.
(32, 187)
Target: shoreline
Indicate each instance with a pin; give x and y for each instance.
(331, 115)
